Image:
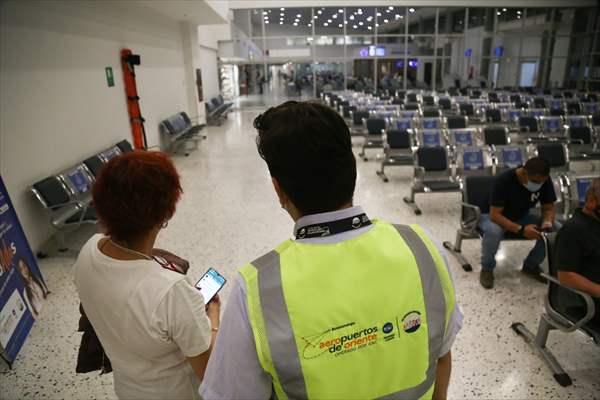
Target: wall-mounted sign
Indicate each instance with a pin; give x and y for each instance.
(498, 51)
(110, 78)
(468, 52)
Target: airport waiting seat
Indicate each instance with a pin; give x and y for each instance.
(109, 153)
(429, 100)
(573, 121)
(432, 174)
(445, 104)
(397, 101)
(374, 129)
(596, 120)
(493, 115)
(124, 146)
(537, 112)
(457, 122)
(65, 210)
(346, 110)
(431, 122)
(573, 107)
(475, 192)
(582, 143)
(410, 106)
(473, 160)
(496, 136)
(430, 138)
(565, 309)
(576, 186)
(412, 98)
(397, 150)
(509, 157)
(358, 121)
(539, 102)
(557, 112)
(556, 155)
(528, 125)
(79, 182)
(552, 126)
(93, 165)
(462, 137)
(431, 112)
(493, 97)
(590, 108)
(466, 109)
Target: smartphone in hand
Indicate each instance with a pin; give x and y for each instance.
(210, 284)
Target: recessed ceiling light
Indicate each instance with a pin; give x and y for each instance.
(412, 10)
(282, 8)
(359, 11)
(390, 8)
(325, 24)
(369, 19)
(352, 17)
(267, 21)
(361, 23)
(402, 16)
(341, 10)
(519, 12)
(340, 25)
(334, 16)
(316, 17)
(345, 22)
(369, 27)
(280, 22)
(295, 24)
(354, 26)
(319, 12)
(377, 25)
(397, 16)
(498, 13)
(504, 9)
(385, 21)
(265, 13)
(282, 14)
(379, 14)
(309, 25)
(329, 20)
(299, 15)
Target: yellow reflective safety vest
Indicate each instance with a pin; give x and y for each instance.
(362, 318)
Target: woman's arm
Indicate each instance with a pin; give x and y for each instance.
(200, 361)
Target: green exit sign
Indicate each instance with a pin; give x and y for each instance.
(110, 79)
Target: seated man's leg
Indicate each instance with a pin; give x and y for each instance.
(538, 253)
(492, 235)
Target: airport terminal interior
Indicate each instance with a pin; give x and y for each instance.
(437, 94)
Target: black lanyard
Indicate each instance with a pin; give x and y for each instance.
(333, 227)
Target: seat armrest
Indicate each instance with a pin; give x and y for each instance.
(471, 224)
(570, 326)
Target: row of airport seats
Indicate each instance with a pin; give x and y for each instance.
(458, 142)
(178, 130)
(217, 110)
(66, 196)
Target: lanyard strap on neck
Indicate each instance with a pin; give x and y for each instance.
(333, 227)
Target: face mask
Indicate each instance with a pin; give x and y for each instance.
(533, 187)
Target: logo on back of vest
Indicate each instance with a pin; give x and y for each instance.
(411, 322)
(302, 233)
(388, 327)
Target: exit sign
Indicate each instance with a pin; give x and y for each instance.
(110, 79)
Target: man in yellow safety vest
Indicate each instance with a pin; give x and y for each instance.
(352, 307)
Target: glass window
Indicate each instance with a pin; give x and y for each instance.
(241, 19)
(392, 20)
(509, 14)
(284, 21)
(329, 21)
(421, 20)
(360, 20)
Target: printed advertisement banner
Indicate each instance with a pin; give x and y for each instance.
(22, 288)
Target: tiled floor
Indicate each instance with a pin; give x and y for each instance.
(229, 215)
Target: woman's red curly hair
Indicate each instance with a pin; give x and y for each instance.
(135, 192)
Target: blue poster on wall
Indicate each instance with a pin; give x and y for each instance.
(22, 288)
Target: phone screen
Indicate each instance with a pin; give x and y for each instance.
(210, 284)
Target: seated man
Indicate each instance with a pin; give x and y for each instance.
(578, 248)
(513, 194)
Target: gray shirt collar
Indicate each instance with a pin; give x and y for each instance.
(328, 217)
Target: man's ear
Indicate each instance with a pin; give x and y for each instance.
(280, 194)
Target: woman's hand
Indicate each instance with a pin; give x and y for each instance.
(213, 311)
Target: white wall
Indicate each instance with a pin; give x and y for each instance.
(55, 106)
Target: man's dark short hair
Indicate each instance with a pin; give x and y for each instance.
(307, 148)
(537, 166)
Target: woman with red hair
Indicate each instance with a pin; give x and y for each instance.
(153, 324)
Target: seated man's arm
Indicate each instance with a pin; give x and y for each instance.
(505, 223)
(548, 214)
(579, 282)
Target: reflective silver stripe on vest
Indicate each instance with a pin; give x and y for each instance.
(280, 335)
(435, 309)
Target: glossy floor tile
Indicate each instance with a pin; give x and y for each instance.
(229, 215)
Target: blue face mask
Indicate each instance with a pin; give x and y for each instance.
(533, 187)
